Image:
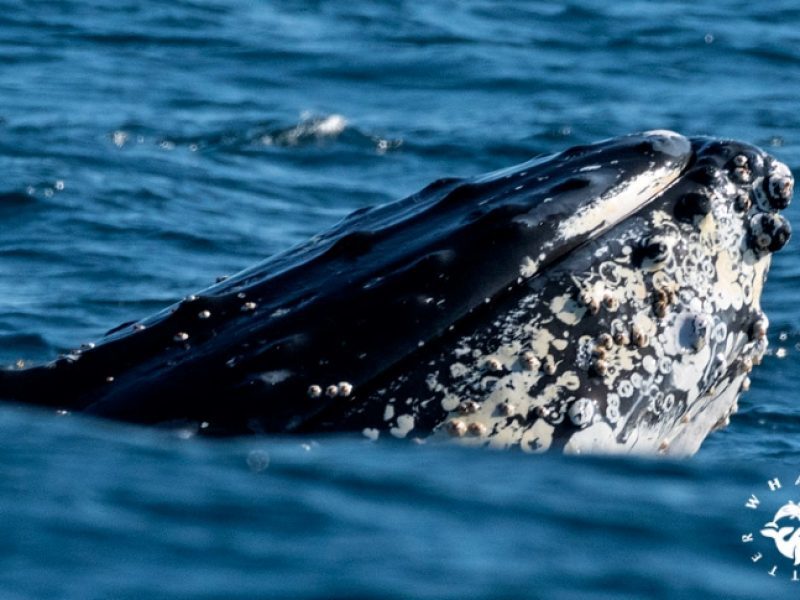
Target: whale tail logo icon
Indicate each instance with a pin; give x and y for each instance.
(786, 538)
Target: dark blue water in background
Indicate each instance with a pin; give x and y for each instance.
(147, 147)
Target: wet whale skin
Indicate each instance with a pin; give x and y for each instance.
(604, 299)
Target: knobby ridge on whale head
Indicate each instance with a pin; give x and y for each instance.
(604, 299)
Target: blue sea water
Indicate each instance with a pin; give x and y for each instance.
(147, 147)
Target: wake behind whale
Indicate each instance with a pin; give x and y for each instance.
(605, 299)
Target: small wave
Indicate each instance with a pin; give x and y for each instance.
(310, 129)
(25, 344)
(18, 198)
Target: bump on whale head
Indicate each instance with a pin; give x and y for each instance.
(604, 299)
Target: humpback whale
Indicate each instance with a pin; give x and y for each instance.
(603, 299)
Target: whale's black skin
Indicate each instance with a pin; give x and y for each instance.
(407, 317)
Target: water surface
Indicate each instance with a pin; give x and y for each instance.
(147, 147)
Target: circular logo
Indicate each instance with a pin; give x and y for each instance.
(775, 542)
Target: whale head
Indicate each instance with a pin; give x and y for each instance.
(631, 318)
(603, 299)
(640, 338)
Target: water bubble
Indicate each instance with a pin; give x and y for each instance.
(257, 461)
(119, 138)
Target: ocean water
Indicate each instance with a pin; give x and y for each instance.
(148, 147)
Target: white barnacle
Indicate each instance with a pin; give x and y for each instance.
(332, 391)
(610, 301)
(665, 365)
(405, 423)
(530, 362)
(665, 403)
(493, 365)
(625, 388)
(639, 337)
(204, 314)
(760, 328)
(588, 299)
(612, 408)
(468, 407)
(549, 365)
(605, 340)
(528, 268)
(506, 409)
(600, 367)
(742, 202)
(581, 412)
(456, 428)
(743, 174)
(181, 336)
(747, 364)
(248, 306)
(314, 391)
(621, 338)
(345, 389)
(477, 429)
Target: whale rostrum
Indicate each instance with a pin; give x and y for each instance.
(604, 299)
